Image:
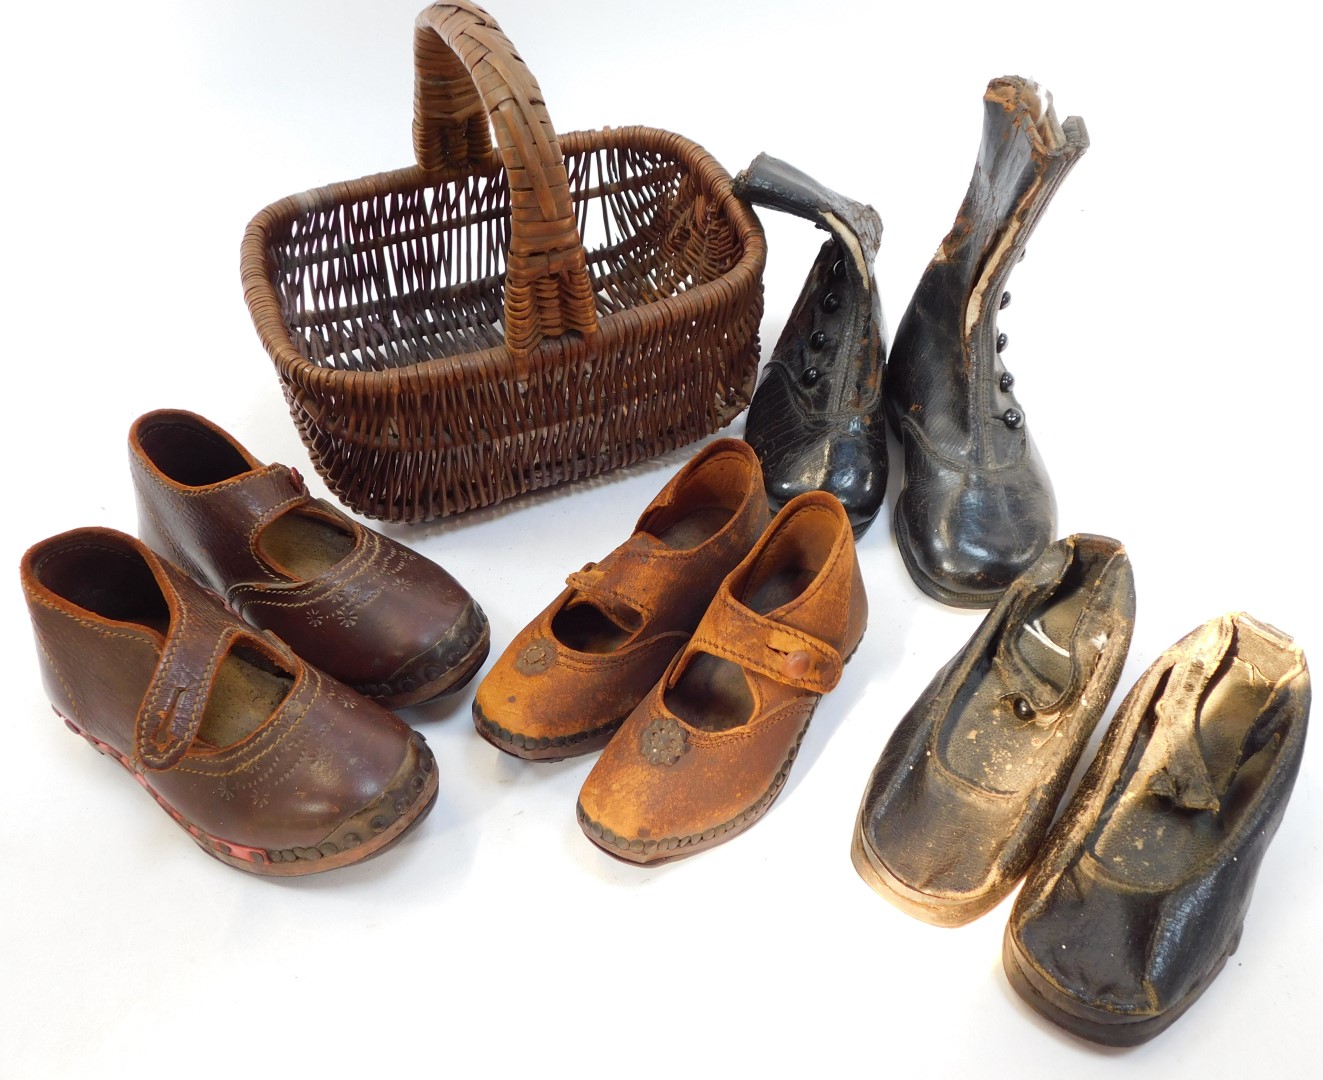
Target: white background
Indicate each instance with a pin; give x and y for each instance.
(1165, 342)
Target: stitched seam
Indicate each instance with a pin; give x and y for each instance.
(589, 588)
(263, 472)
(753, 729)
(817, 684)
(265, 518)
(104, 631)
(571, 660)
(164, 531)
(198, 708)
(664, 578)
(172, 643)
(763, 800)
(55, 668)
(927, 447)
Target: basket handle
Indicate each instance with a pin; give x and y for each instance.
(465, 73)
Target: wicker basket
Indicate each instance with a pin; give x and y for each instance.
(445, 338)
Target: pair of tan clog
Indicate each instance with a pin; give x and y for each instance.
(695, 653)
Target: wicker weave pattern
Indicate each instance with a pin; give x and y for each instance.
(445, 338)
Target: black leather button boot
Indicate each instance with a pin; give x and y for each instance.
(977, 506)
(815, 420)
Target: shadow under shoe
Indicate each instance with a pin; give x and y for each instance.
(977, 505)
(815, 420)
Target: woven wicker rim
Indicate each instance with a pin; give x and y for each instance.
(264, 302)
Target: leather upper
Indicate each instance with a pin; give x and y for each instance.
(816, 416)
(682, 771)
(365, 609)
(963, 794)
(977, 506)
(150, 666)
(1141, 889)
(550, 694)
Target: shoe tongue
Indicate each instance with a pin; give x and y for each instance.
(1174, 758)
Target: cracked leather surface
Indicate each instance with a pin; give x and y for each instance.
(816, 416)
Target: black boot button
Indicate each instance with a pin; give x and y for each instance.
(817, 339)
(831, 302)
(838, 268)
(1007, 381)
(810, 376)
(1001, 342)
(1013, 418)
(1005, 300)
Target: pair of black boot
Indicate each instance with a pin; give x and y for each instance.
(976, 507)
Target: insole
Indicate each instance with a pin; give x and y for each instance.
(1150, 841)
(985, 741)
(247, 690)
(303, 546)
(586, 629)
(713, 694)
(695, 528)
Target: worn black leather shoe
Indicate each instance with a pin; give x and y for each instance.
(977, 505)
(963, 794)
(815, 420)
(1139, 894)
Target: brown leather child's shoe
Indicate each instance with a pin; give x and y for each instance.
(268, 764)
(364, 609)
(577, 670)
(706, 753)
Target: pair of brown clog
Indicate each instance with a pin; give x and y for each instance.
(269, 763)
(695, 653)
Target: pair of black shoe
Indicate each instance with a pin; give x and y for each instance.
(1134, 899)
(977, 506)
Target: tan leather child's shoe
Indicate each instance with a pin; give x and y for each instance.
(708, 750)
(574, 673)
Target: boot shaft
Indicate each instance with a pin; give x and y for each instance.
(945, 373)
